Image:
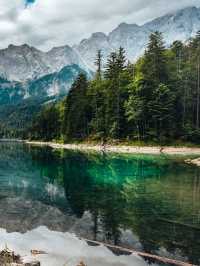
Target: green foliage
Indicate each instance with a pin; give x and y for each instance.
(117, 78)
(75, 123)
(156, 99)
(96, 96)
(47, 125)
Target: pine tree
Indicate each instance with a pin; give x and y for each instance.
(155, 60)
(151, 71)
(121, 59)
(162, 109)
(47, 125)
(157, 98)
(75, 124)
(98, 63)
(96, 97)
(113, 113)
(111, 72)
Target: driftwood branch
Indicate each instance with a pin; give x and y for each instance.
(141, 254)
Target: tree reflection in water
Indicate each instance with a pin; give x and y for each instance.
(157, 198)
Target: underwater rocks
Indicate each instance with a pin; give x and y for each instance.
(8, 257)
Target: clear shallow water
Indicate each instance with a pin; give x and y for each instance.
(149, 203)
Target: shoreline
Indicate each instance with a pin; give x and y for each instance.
(168, 150)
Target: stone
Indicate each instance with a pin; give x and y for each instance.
(33, 263)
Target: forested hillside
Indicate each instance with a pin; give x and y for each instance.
(156, 99)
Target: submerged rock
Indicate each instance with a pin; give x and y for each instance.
(9, 258)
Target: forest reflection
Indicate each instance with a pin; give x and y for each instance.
(155, 197)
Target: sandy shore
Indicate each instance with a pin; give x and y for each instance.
(121, 149)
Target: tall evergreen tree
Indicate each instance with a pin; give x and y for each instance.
(96, 94)
(121, 59)
(157, 98)
(47, 125)
(114, 70)
(98, 63)
(111, 71)
(75, 124)
(162, 109)
(151, 73)
(154, 66)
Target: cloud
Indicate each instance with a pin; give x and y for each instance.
(48, 23)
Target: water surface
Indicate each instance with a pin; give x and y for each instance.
(149, 203)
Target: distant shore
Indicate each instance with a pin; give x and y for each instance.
(170, 150)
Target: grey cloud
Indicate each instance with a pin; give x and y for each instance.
(49, 23)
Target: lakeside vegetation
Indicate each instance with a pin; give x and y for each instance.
(156, 100)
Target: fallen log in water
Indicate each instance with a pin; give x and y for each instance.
(127, 251)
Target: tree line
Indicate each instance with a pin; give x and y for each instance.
(155, 99)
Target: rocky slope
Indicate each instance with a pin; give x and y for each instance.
(50, 85)
(26, 71)
(180, 25)
(22, 63)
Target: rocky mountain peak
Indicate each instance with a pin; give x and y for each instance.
(24, 63)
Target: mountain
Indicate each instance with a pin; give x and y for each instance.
(29, 78)
(11, 91)
(53, 84)
(87, 49)
(21, 101)
(26, 71)
(180, 25)
(50, 85)
(22, 63)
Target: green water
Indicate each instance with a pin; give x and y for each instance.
(150, 203)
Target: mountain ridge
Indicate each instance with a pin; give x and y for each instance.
(178, 25)
(25, 63)
(50, 85)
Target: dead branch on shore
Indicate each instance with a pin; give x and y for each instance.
(141, 254)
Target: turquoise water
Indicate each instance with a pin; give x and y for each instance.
(149, 203)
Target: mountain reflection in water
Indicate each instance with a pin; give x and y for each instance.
(149, 203)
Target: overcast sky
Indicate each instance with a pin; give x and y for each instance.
(48, 23)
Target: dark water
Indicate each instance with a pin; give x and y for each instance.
(150, 203)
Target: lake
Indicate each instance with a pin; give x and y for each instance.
(149, 203)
